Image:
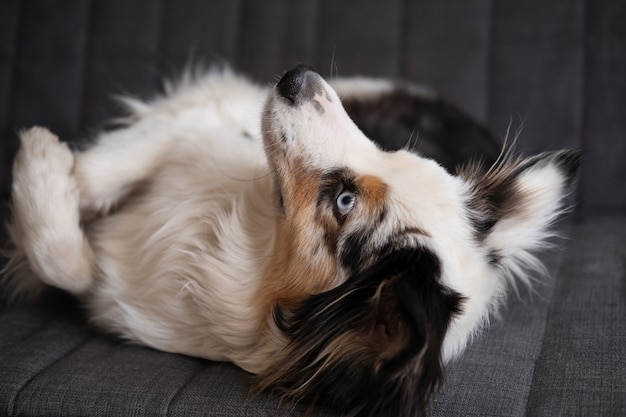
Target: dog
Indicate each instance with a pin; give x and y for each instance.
(257, 225)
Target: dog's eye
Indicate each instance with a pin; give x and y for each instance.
(345, 202)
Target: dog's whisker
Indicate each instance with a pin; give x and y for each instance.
(334, 69)
(410, 143)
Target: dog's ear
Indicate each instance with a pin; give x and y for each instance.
(514, 203)
(371, 345)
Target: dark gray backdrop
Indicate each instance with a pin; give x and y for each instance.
(558, 67)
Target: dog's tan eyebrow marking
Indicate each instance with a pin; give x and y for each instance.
(373, 192)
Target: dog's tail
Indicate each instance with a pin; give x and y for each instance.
(406, 116)
(47, 243)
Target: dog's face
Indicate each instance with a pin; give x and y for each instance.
(385, 264)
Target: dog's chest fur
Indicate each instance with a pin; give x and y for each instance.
(183, 253)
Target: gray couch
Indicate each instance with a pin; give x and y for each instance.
(558, 67)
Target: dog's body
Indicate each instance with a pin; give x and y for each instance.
(279, 237)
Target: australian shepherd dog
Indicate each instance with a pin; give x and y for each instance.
(263, 226)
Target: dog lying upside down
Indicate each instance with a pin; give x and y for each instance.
(261, 226)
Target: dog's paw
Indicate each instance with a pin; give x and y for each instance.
(46, 216)
(42, 151)
(45, 195)
(42, 176)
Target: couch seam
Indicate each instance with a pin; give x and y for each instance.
(86, 65)
(13, 76)
(549, 313)
(583, 120)
(490, 63)
(14, 400)
(403, 25)
(180, 389)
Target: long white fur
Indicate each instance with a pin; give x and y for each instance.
(181, 218)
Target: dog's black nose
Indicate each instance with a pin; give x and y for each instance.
(295, 81)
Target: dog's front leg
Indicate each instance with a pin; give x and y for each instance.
(117, 163)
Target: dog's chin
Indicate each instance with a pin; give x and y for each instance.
(371, 345)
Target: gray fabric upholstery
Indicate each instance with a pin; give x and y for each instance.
(503, 361)
(556, 67)
(51, 362)
(561, 354)
(582, 367)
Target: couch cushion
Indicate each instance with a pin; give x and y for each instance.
(559, 352)
(52, 363)
(494, 375)
(582, 366)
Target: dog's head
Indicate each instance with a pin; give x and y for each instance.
(385, 264)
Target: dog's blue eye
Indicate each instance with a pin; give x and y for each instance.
(345, 202)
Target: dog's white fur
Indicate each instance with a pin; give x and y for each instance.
(166, 228)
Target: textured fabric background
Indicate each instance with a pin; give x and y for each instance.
(582, 366)
(558, 68)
